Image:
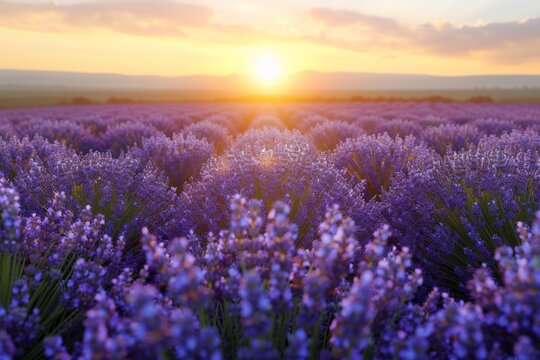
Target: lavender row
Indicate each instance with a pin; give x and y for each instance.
(118, 128)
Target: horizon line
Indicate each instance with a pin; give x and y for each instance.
(307, 71)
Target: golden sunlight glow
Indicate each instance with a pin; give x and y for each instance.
(268, 69)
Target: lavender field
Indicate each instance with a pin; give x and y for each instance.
(376, 230)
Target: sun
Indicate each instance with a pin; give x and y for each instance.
(268, 69)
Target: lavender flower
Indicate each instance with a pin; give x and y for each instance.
(175, 269)
(502, 322)
(7, 348)
(85, 282)
(232, 121)
(10, 219)
(378, 296)
(254, 140)
(54, 348)
(298, 348)
(351, 332)
(255, 307)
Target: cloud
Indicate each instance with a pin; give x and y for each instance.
(449, 39)
(149, 18)
(237, 35)
(137, 17)
(331, 17)
(502, 42)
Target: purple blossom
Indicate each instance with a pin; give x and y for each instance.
(7, 348)
(54, 348)
(10, 219)
(255, 307)
(85, 282)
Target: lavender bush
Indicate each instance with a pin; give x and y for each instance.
(52, 268)
(120, 138)
(330, 134)
(180, 158)
(376, 159)
(212, 131)
(398, 127)
(282, 170)
(451, 137)
(69, 133)
(127, 196)
(18, 155)
(455, 212)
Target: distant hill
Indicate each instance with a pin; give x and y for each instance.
(20, 88)
(304, 81)
(344, 81)
(57, 80)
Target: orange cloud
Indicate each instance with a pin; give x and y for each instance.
(345, 18)
(497, 41)
(137, 17)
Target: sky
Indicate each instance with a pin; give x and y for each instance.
(221, 37)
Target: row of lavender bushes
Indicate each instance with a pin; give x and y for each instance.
(122, 234)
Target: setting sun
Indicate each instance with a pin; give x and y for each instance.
(268, 69)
